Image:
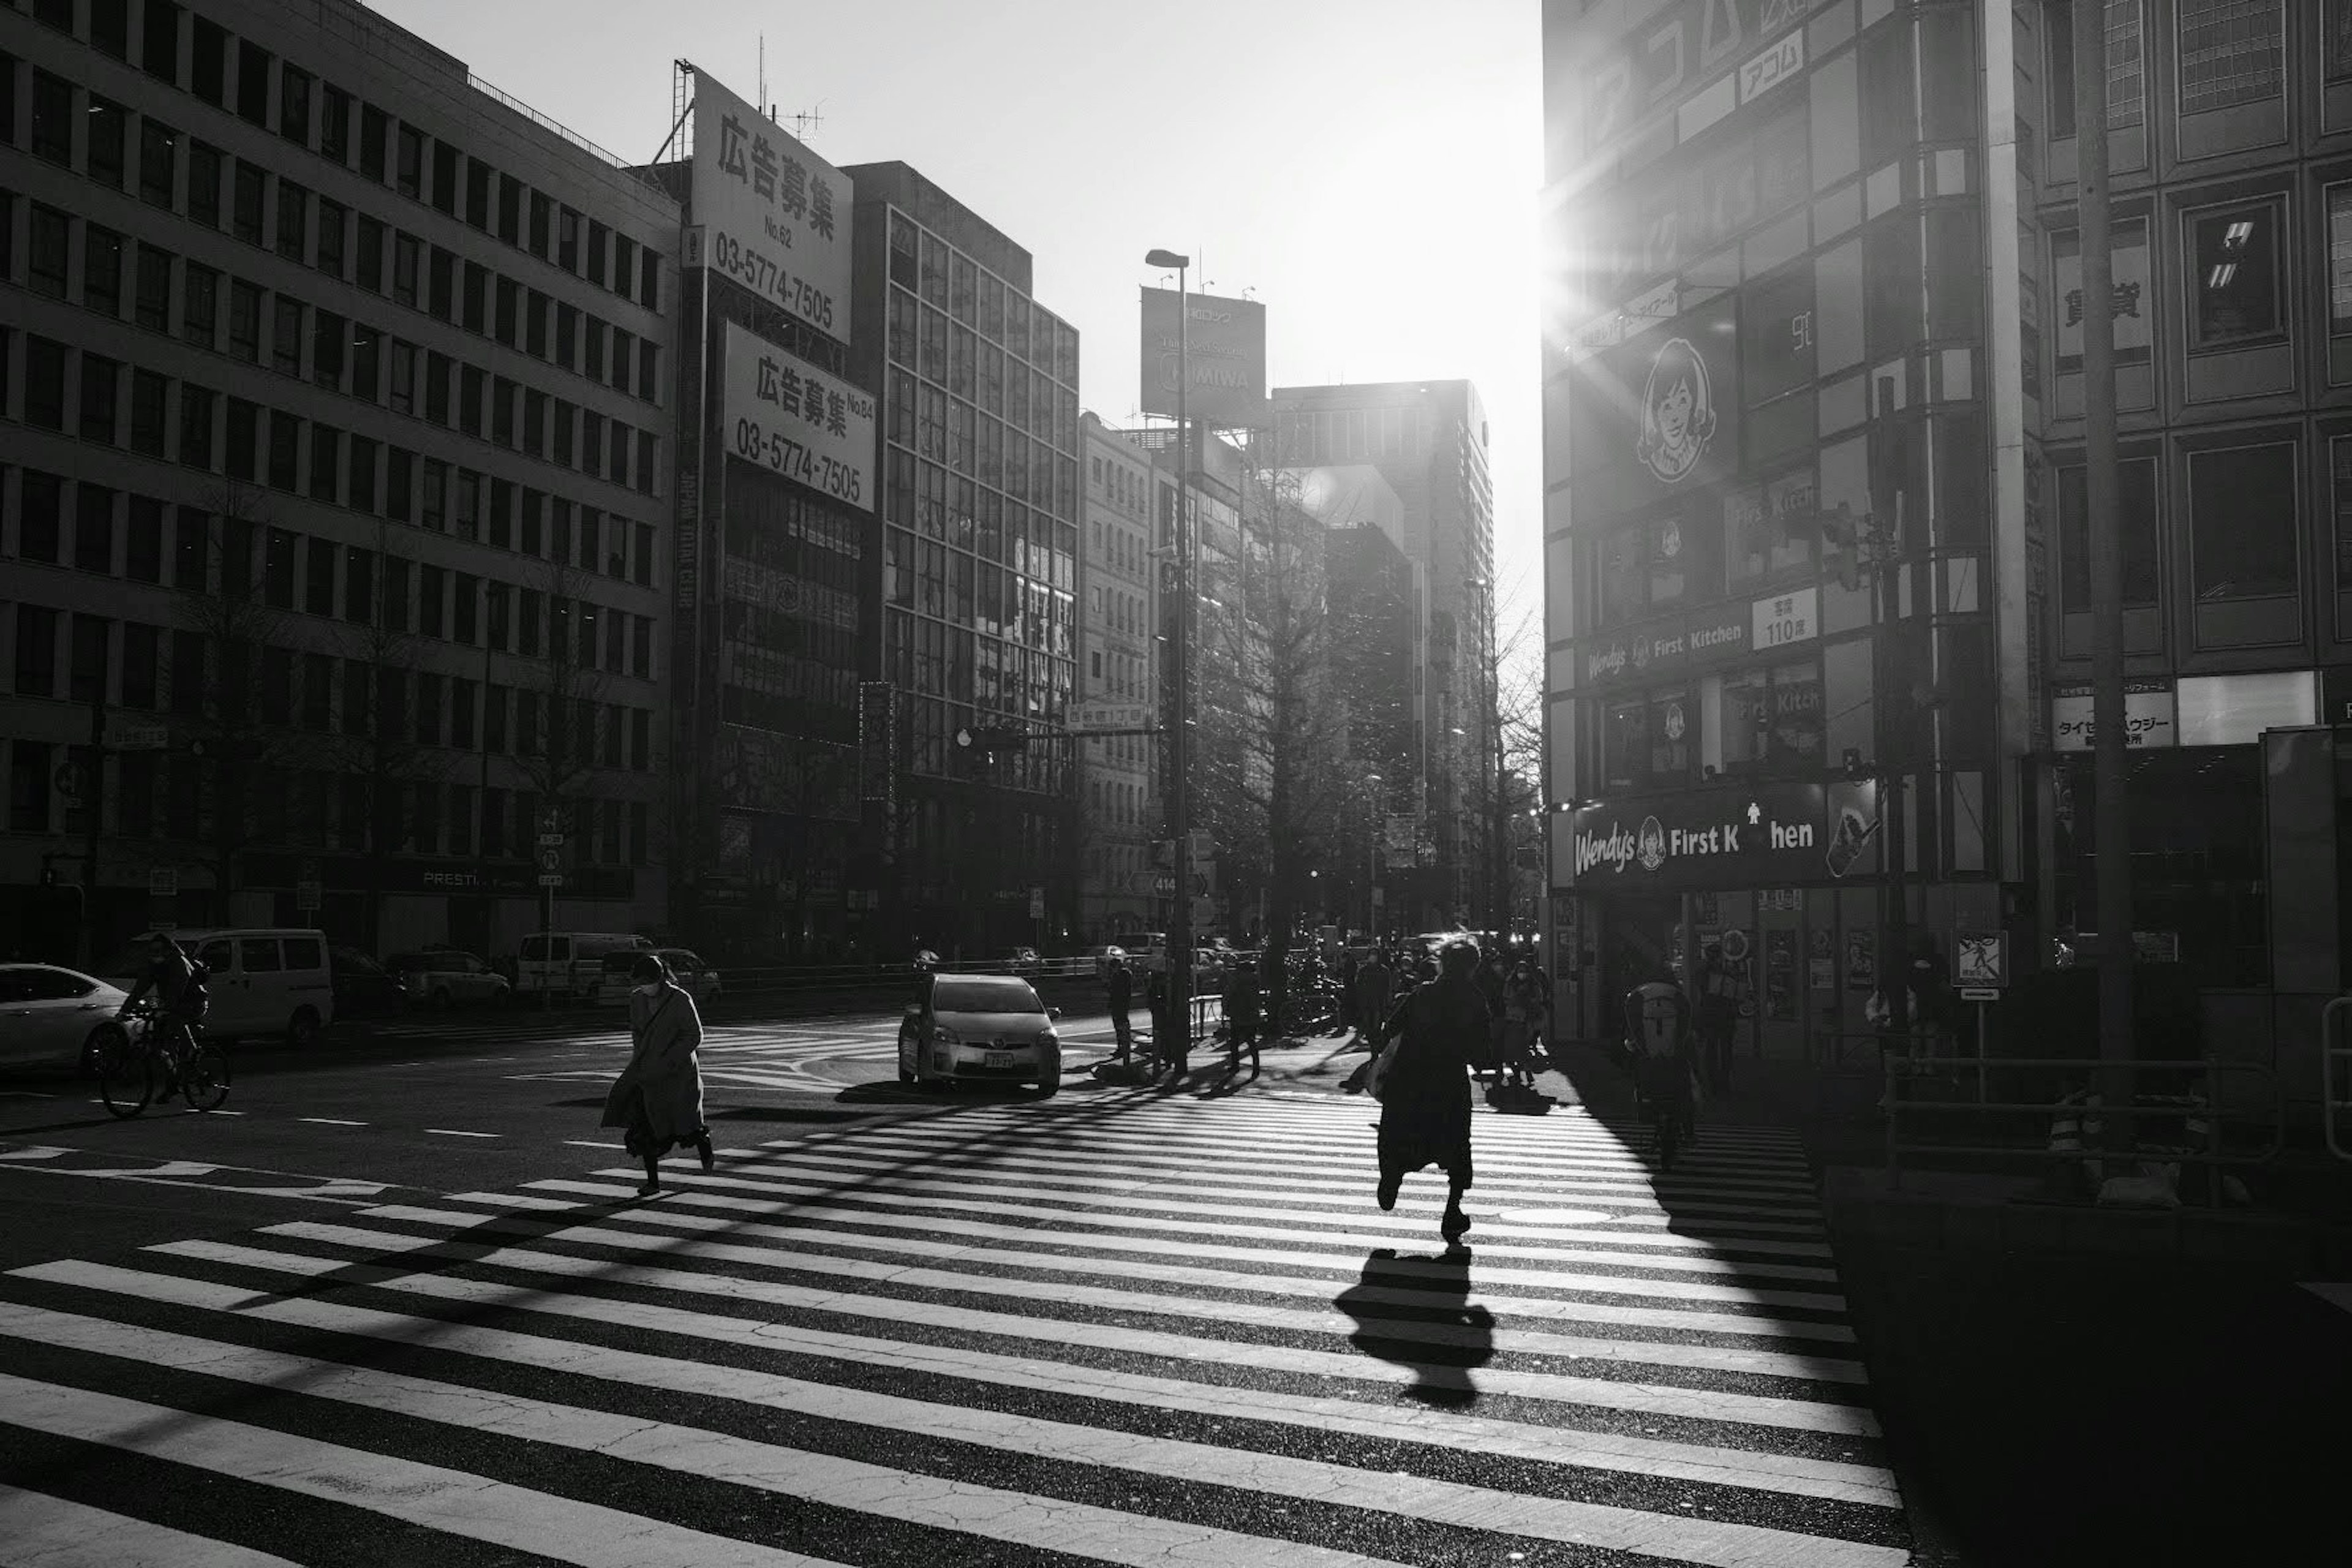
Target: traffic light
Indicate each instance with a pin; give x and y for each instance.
(992, 739)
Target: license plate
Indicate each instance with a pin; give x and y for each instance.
(1004, 1058)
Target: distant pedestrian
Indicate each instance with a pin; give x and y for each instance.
(1523, 1020)
(1375, 984)
(1349, 971)
(659, 1096)
(1121, 987)
(1425, 1102)
(1241, 1018)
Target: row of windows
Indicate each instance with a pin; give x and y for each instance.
(310, 229)
(349, 132)
(1117, 803)
(235, 683)
(927, 655)
(218, 312)
(952, 360)
(1125, 485)
(932, 724)
(116, 404)
(975, 446)
(952, 282)
(925, 500)
(922, 575)
(152, 795)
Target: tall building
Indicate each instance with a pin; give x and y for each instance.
(338, 394)
(1429, 442)
(1119, 666)
(1813, 489)
(976, 581)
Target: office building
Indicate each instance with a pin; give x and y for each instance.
(1815, 490)
(338, 429)
(1428, 440)
(976, 581)
(1118, 686)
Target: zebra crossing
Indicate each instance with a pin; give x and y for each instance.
(1130, 1329)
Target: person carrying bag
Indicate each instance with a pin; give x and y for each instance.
(658, 1098)
(1441, 1030)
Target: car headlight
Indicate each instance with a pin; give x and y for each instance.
(943, 1036)
(1049, 1038)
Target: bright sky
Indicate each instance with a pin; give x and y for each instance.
(1367, 169)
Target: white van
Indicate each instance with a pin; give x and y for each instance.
(570, 962)
(263, 981)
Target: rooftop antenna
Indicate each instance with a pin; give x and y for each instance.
(761, 98)
(808, 119)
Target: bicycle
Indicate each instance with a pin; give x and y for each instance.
(132, 1058)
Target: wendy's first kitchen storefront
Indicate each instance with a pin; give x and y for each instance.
(1789, 874)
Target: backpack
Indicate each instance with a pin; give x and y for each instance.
(195, 1000)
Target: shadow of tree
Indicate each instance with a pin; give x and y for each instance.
(1442, 1282)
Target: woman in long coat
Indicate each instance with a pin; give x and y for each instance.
(659, 1096)
(1425, 1103)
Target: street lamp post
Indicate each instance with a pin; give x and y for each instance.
(1179, 648)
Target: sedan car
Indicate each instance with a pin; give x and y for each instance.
(987, 1028)
(51, 1014)
(364, 988)
(446, 977)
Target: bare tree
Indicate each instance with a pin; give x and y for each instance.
(1508, 783)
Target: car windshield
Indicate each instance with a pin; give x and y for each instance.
(985, 996)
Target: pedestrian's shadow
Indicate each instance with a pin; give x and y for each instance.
(1433, 1290)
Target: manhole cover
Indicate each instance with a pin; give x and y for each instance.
(1554, 1216)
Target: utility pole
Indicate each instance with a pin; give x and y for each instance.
(2111, 829)
(1180, 648)
(1896, 721)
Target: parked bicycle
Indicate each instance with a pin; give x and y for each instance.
(141, 1062)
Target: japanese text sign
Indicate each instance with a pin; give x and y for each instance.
(776, 216)
(788, 416)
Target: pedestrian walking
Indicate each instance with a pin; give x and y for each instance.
(1120, 987)
(658, 1098)
(1242, 1021)
(1442, 1029)
(1523, 1017)
(1350, 972)
(1719, 1015)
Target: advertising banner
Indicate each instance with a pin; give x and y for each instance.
(1723, 839)
(775, 215)
(1699, 639)
(788, 416)
(2148, 717)
(1223, 341)
(1657, 416)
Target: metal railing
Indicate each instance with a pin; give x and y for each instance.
(2334, 1105)
(2033, 1141)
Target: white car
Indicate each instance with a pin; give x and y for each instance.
(989, 1028)
(50, 1013)
(444, 977)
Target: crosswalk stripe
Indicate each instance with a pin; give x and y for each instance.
(613, 1190)
(1131, 1539)
(1557, 1388)
(415, 1493)
(1064, 1292)
(37, 1530)
(1116, 1326)
(1127, 1266)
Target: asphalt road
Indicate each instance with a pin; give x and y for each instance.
(398, 1304)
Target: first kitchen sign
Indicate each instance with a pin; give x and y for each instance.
(1701, 839)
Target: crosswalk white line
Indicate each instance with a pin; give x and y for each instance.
(1117, 1329)
(37, 1530)
(450, 1500)
(1135, 1539)
(1142, 1265)
(1557, 1388)
(1693, 1291)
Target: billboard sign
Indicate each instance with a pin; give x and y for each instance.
(775, 216)
(1701, 840)
(1223, 341)
(1657, 416)
(788, 416)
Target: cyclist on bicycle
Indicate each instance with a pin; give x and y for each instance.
(180, 998)
(1658, 1027)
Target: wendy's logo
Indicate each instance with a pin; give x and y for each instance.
(1678, 415)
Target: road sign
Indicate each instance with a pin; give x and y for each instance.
(550, 859)
(1980, 993)
(136, 734)
(1036, 903)
(1203, 912)
(551, 819)
(550, 879)
(550, 841)
(1980, 958)
(1202, 845)
(1112, 716)
(163, 882)
(305, 895)
(71, 780)
(1163, 884)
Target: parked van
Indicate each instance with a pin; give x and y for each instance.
(263, 981)
(570, 962)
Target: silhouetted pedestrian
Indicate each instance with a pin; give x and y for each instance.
(1425, 1102)
(659, 1096)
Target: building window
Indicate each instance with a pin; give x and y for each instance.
(335, 124)
(158, 162)
(408, 172)
(2127, 67)
(375, 134)
(2235, 297)
(53, 117)
(208, 61)
(244, 204)
(204, 184)
(2241, 521)
(294, 105)
(293, 221)
(2232, 52)
(1625, 744)
(253, 64)
(2340, 249)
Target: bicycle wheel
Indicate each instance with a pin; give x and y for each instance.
(126, 1079)
(205, 1081)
